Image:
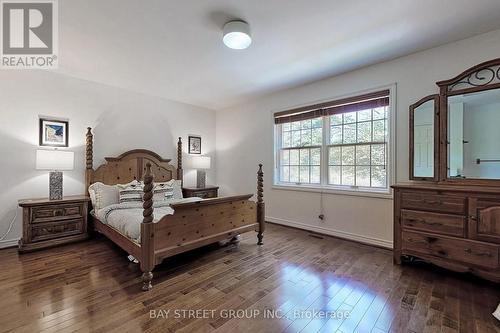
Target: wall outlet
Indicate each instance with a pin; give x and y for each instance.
(321, 217)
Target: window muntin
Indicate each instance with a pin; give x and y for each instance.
(300, 153)
(357, 151)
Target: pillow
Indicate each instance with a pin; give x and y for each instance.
(103, 195)
(131, 192)
(177, 188)
(162, 191)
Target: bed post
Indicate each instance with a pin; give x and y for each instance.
(261, 208)
(89, 157)
(147, 231)
(179, 160)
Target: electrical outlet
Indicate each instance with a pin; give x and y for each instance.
(321, 217)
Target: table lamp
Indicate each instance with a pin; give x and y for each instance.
(200, 163)
(55, 161)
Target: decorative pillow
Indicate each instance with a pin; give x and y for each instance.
(131, 192)
(177, 188)
(162, 191)
(103, 195)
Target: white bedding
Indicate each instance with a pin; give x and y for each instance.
(127, 217)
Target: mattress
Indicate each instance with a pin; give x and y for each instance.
(126, 218)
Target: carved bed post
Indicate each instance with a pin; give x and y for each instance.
(179, 160)
(89, 157)
(147, 231)
(261, 208)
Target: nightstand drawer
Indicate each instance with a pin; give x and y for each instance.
(45, 231)
(205, 194)
(51, 213)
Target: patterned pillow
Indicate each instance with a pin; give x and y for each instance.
(131, 192)
(162, 191)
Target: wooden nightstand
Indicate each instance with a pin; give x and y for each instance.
(206, 192)
(48, 223)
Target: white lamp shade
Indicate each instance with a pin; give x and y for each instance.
(199, 162)
(55, 160)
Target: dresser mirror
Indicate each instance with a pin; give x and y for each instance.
(474, 135)
(455, 135)
(424, 125)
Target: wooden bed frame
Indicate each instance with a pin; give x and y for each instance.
(191, 226)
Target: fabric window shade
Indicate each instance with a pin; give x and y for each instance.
(350, 104)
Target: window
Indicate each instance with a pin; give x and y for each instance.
(342, 144)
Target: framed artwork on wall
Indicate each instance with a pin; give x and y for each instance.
(53, 133)
(194, 143)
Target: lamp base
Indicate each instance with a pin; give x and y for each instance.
(56, 185)
(201, 178)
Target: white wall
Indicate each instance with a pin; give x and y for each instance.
(245, 138)
(122, 120)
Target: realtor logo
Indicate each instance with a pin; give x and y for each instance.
(29, 34)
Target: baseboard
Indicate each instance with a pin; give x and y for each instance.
(331, 232)
(8, 243)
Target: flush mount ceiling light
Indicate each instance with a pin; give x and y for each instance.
(237, 35)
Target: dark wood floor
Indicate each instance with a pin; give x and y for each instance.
(91, 287)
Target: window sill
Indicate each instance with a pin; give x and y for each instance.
(382, 194)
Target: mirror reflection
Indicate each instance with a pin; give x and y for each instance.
(474, 135)
(423, 140)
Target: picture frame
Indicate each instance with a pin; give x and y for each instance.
(194, 144)
(53, 133)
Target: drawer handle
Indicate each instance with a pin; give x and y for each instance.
(58, 212)
(411, 240)
(481, 254)
(423, 221)
(433, 202)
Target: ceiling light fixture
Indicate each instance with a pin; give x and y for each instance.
(237, 35)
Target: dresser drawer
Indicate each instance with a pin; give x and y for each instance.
(45, 231)
(476, 253)
(445, 224)
(51, 213)
(433, 202)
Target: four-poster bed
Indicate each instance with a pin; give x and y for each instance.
(194, 224)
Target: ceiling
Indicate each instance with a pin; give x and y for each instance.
(173, 49)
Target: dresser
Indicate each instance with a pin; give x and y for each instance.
(454, 227)
(449, 212)
(204, 193)
(47, 223)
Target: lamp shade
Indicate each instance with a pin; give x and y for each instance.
(54, 160)
(199, 162)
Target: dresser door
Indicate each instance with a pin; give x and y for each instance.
(484, 219)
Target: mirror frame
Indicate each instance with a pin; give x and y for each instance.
(435, 98)
(482, 77)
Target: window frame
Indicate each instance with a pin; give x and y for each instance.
(323, 186)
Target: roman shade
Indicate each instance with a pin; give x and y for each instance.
(349, 104)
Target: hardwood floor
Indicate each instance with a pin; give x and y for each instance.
(91, 287)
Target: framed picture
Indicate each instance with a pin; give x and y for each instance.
(53, 133)
(194, 144)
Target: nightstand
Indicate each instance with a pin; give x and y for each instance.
(48, 223)
(205, 192)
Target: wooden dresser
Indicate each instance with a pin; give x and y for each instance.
(205, 192)
(48, 223)
(454, 227)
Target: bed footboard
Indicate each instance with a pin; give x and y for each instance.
(201, 223)
(196, 224)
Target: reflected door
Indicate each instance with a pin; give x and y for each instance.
(424, 150)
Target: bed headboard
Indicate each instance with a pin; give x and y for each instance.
(130, 165)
